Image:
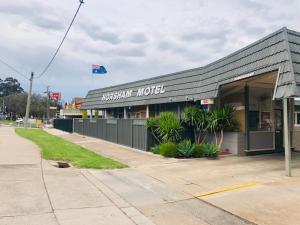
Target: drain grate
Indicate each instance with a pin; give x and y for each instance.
(63, 165)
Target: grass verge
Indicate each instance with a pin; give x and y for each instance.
(56, 148)
(8, 122)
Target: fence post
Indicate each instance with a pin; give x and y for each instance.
(131, 132)
(117, 128)
(147, 138)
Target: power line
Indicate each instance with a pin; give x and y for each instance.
(61, 43)
(14, 69)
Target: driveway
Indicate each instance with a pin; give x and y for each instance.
(256, 188)
(154, 190)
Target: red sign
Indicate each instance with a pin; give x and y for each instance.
(55, 96)
(208, 101)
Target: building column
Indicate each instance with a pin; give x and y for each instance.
(125, 113)
(91, 114)
(247, 133)
(105, 113)
(287, 145)
(147, 111)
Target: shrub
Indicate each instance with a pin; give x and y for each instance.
(155, 149)
(185, 149)
(165, 128)
(198, 150)
(169, 127)
(84, 114)
(198, 120)
(96, 114)
(219, 120)
(168, 149)
(210, 150)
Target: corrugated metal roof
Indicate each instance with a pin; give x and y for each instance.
(279, 49)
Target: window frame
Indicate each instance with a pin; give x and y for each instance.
(296, 115)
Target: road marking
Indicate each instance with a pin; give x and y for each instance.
(226, 190)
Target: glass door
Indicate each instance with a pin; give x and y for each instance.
(278, 130)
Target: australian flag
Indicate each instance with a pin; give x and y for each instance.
(97, 69)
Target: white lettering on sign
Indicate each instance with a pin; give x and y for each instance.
(153, 90)
(144, 91)
(243, 76)
(209, 101)
(116, 95)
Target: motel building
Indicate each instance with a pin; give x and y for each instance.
(261, 80)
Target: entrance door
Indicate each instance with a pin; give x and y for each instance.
(278, 130)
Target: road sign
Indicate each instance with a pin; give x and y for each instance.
(55, 96)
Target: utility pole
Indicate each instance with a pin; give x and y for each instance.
(28, 100)
(3, 109)
(48, 95)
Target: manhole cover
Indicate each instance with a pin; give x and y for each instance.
(62, 165)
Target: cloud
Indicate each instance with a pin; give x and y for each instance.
(48, 23)
(36, 14)
(98, 33)
(138, 40)
(207, 35)
(252, 4)
(131, 52)
(106, 36)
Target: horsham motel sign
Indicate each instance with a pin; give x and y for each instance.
(144, 91)
(155, 90)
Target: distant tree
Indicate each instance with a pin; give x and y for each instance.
(16, 104)
(10, 86)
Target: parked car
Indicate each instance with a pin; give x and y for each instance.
(19, 121)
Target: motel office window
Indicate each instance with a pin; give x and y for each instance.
(260, 109)
(297, 119)
(297, 113)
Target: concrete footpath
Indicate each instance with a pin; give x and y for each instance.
(34, 192)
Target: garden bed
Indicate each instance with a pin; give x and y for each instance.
(208, 132)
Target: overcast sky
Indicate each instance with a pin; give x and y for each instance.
(133, 39)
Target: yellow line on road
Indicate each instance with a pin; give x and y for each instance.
(226, 190)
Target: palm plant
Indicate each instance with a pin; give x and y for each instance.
(169, 127)
(152, 126)
(198, 120)
(219, 120)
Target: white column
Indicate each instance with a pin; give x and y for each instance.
(147, 111)
(105, 113)
(287, 146)
(125, 113)
(91, 114)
